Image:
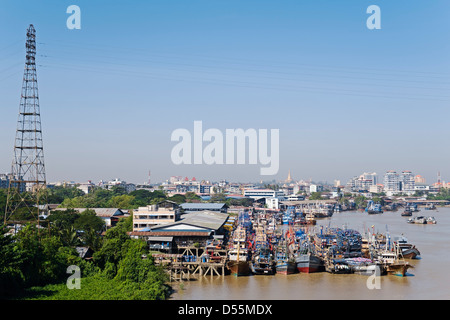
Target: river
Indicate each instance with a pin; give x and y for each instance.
(428, 279)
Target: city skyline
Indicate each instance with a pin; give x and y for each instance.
(345, 99)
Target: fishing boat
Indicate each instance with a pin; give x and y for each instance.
(309, 263)
(285, 264)
(238, 255)
(392, 264)
(407, 212)
(418, 220)
(407, 250)
(373, 208)
(338, 266)
(431, 220)
(263, 261)
(363, 266)
(310, 219)
(284, 253)
(430, 206)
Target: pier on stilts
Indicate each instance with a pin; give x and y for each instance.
(192, 263)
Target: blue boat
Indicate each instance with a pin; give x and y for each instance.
(373, 208)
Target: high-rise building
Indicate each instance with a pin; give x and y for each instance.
(392, 182)
(407, 181)
(399, 182)
(363, 182)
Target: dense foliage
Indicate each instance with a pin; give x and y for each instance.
(33, 263)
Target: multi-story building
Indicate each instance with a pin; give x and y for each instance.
(129, 187)
(158, 214)
(263, 193)
(315, 188)
(363, 182)
(399, 183)
(408, 182)
(392, 182)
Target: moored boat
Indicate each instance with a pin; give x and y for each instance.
(238, 263)
(392, 264)
(406, 250)
(373, 208)
(431, 220)
(364, 266)
(418, 220)
(285, 265)
(262, 262)
(309, 263)
(407, 212)
(238, 255)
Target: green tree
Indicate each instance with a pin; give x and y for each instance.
(122, 201)
(192, 196)
(63, 219)
(178, 198)
(88, 220)
(316, 196)
(11, 278)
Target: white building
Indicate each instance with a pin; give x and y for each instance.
(408, 182)
(154, 215)
(272, 203)
(378, 188)
(363, 182)
(263, 193)
(315, 188)
(395, 183)
(129, 187)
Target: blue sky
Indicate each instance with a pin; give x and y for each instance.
(345, 98)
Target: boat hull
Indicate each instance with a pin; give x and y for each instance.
(262, 269)
(398, 269)
(410, 253)
(239, 268)
(289, 267)
(308, 263)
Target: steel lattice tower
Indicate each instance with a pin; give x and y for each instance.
(26, 184)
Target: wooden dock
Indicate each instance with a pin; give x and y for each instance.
(193, 263)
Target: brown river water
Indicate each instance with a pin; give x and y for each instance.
(429, 279)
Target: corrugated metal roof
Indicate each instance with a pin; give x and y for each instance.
(212, 220)
(202, 206)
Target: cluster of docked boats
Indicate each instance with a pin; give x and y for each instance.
(266, 248)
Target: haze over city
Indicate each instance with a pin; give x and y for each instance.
(345, 99)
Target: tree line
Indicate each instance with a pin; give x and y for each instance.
(34, 262)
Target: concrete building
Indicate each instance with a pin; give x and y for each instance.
(193, 228)
(87, 187)
(395, 183)
(129, 187)
(272, 203)
(162, 213)
(362, 182)
(391, 183)
(263, 193)
(377, 188)
(408, 182)
(315, 188)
